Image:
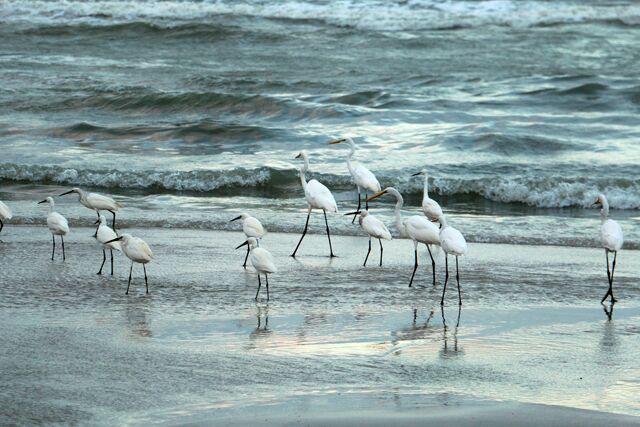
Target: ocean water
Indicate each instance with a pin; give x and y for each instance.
(190, 111)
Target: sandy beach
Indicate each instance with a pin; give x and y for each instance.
(337, 343)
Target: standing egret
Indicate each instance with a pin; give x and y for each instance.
(430, 207)
(136, 250)
(417, 228)
(612, 240)
(318, 197)
(57, 224)
(362, 177)
(452, 243)
(374, 228)
(262, 261)
(5, 213)
(97, 202)
(104, 235)
(251, 228)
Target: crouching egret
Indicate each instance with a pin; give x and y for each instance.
(5, 214)
(430, 207)
(374, 228)
(251, 228)
(262, 261)
(362, 177)
(136, 250)
(416, 227)
(318, 197)
(57, 224)
(104, 235)
(612, 240)
(97, 202)
(452, 243)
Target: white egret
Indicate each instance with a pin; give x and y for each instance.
(318, 197)
(251, 228)
(452, 243)
(136, 250)
(57, 224)
(262, 261)
(362, 177)
(104, 235)
(430, 207)
(612, 240)
(374, 228)
(416, 227)
(97, 202)
(5, 214)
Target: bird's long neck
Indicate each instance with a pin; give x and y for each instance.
(443, 222)
(352, 150)
(426, 188)
(604, 212)
(306, 163)
(303, 179)
(398, 213)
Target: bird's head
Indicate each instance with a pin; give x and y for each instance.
(252, 242)
(101, 220)
(124, 238)
(47, 200)
(241, 216)
(73, 190)
(302, 155)
(423, 172)
(380, 194)
(599, 200)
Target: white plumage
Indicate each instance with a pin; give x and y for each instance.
(374, 227)
(96, 202)
(612, 240)
(430, 207)
(105, 236)
(251, 228)
(57, 224)
(5, 214)
(262, 261)
(452, 243)
(136, 250)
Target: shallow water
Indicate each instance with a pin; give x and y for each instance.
(76, 349)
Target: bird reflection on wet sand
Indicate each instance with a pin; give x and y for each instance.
(446, 350)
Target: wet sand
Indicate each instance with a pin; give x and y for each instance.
(336, 342)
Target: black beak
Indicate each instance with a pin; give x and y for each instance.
(44, 201)
(416, 174)
(114, 240)
(97, 222)
(244, 244)
(298, 156)
(236, 218)
(353, 213)
(68, 192)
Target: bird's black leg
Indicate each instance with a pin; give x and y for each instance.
(613, 269)
(415, 264)
(129, 284)
(357, 209)
(306, 225)
(368, 252)
(609, 277)
(2, 225)
(111, 250)
(246, 257)
(63, 255)
(104, 259)
(98, 226)
(458, 280)
(381, 250)
(366, 201)
(328, 234)
(606, 252)
(54, 246)
(446, 277)
(259, 285)
(144, 267)
(433, 265)
(113, 223)
(267, 279)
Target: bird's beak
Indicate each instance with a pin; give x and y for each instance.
(68, 192)
(336, 141)
(375, 196)
(114, 240)
(416, 174)
(298, 156)
(97, 222)
(236, 218)
(44, 201)
(353, 213)
(243, 244)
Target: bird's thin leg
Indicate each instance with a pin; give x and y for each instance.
(415, 263)
(246, 257)
(433, 265)
(54, 246)
(113, 223)
(381, 250)
(368, 252)
(2, 225)
(104, 259)
(144, 267)
(328, 234)
(129, 284)
(613, 269)
(609, 277)
(366, 202)
(306, 225)
(446, 277)
(357, 209)
(458, 280)
(606, 252)
(267, 279)
(63, 255)
(111, 250)
(259, 284)
(96, 233)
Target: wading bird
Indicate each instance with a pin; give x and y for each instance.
(5, 214)
(251, 228)
(136, 250)
(417, 228)
(362, 177)
(612, 240)
(452, 243)
(97, 202)
(58, 226)
(262, 261)
(430, 207)
(318, 197)
(374, 228)
(104, 235)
